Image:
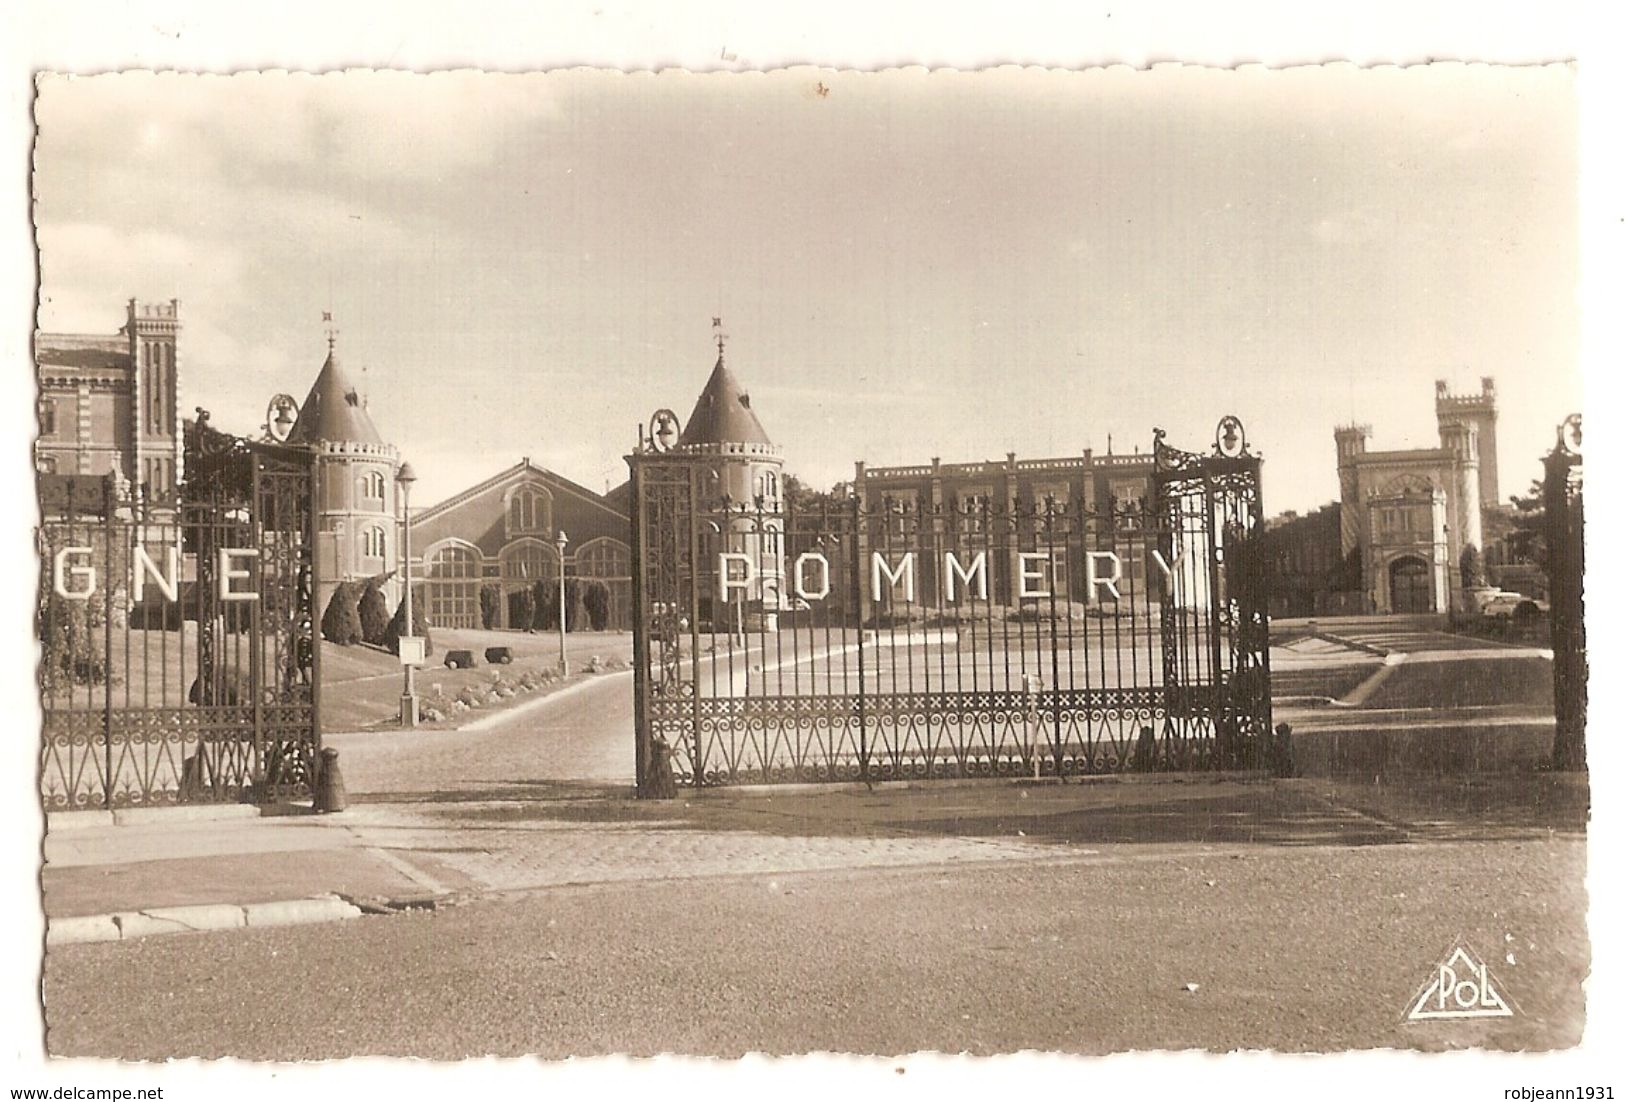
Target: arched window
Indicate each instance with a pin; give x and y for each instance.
(372, 490)
(47, 417)
(604, 558)
(529, 561)
(372, 542)
(452, 587)
(529, 510)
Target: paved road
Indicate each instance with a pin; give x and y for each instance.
(1294, 948)
(583, 734)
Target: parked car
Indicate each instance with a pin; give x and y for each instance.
(1507, 606)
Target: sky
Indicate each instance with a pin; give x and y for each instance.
(908, 265)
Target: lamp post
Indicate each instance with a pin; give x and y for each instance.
(409, 695)
(561, 542)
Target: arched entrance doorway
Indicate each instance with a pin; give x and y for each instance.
(1410, 585)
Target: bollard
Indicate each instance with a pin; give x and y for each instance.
(1280, 752)
(330, 794)
(1145, 751)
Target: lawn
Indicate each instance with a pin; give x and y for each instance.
(361, 686)
(1466, 683)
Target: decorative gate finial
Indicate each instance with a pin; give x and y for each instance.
(1230, 439)
(664, 430)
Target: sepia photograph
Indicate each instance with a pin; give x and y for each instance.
(597, 562)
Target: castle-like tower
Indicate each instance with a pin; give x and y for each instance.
(1351, 445)
(746, 467)
(1410, 514)
(111, 404)
(1460, 438)
(1477, 411)
(357, 514)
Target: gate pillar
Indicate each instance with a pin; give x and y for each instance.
(1563, 498)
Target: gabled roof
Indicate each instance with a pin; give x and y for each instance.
(518, 470)
(723, 414)
(333, 411)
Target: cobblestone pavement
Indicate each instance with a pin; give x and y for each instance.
(490, 856)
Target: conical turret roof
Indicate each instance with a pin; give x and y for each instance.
(333, 411)
(723, 414)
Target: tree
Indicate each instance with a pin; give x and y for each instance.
(71, 651)
(397, 625)
(1472, 567)
(341, 623)
(373, 611)
(596, 601)
(573, 590)
(490, 602)
(801, 498)
(545, 594)
(1526, 542)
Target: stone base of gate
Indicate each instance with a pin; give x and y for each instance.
(933, 785)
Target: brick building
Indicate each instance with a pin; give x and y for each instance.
(109, 404)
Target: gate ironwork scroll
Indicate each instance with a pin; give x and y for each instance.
(863, 640)
(179, 662)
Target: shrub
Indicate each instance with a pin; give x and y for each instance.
(397, 626)
(490, 601)
(373, 611)
(341, 623)
(595, 599)
(524, 611)
(72, 652)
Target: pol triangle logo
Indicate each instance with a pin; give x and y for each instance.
(1460, 987)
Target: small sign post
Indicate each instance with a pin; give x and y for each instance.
(412, 650)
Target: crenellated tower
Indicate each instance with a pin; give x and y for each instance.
(153, 332)
(1351, 444)
(1478, 411)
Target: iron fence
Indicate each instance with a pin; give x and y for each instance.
(864, 641)
(178, 661)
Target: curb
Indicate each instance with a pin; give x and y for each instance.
(134, 816)
(492, 719)
(128, 925)
(1344, 641)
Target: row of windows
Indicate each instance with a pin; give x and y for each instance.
(601, 558)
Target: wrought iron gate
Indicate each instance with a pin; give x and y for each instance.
(868, 641)
(1563, 501)
(179, 662)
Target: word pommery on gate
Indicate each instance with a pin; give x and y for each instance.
(1031, 574)
(75, 565)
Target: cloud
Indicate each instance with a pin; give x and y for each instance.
(88, 270)
(357, 125)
